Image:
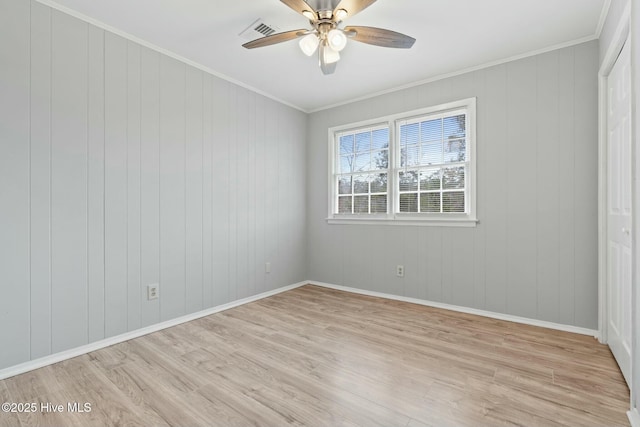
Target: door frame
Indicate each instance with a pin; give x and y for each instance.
(619, 38)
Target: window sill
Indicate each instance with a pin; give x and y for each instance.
(430, 222)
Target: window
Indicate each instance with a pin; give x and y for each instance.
(412, 168)
(363, 171)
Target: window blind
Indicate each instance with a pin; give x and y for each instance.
(433, 164)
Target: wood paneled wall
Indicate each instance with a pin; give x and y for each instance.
(534, 252)
(121, 167)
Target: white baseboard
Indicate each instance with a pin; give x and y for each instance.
(634, 417)
(491, 314)
(79, 351)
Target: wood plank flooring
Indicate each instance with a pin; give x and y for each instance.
(319, 357)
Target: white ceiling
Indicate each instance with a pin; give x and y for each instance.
(452, 35)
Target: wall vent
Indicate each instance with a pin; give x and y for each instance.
(258, 29)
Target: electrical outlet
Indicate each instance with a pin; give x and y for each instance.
(400, 270)
(267, 267)
(152, 291)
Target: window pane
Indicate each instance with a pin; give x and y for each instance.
(344, 204)
(454, 127)
(409, 181)
(380, 139)
(455, 150)
(379, 204)
(411, 158)
(360, 184)
(363, 162)
(344, 185)
(409, 202)
(453, 178)
(379, 183)
(410, 134)
(346, 144)
(453, 202)
(431, 130)
(346, 164)
(361, 204)
(380, 159)
(431, 153)
(430, 202)
(363, 141)
(430, 180)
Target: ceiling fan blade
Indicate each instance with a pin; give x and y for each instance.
(381, 37)
(299, 6)
(274, 38)
(353, 6)
(326, 68)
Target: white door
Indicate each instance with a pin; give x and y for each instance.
(619, 257)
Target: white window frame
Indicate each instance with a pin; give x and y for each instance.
(392, 217)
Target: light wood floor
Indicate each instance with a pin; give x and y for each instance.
(318, 357)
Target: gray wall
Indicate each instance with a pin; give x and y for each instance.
(534, 252)
(121, 167)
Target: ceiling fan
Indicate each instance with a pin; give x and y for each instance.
(326, 36)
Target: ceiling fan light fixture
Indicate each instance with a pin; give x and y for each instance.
(325, 35)
(341, 15)
(330, 56)
(337, 40)
(309, 44)
(309, 15)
